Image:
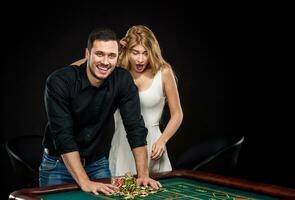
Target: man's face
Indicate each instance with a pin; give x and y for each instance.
(102, 59)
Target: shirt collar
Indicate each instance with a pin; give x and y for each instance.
(85, 81)
(84, 78)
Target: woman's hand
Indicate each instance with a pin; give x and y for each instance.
(158, 149)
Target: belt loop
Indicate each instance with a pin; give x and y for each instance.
(83, 161)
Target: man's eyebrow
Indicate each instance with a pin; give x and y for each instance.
(107, 53)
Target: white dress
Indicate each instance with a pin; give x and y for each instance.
(152, 101)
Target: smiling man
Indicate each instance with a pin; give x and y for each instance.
(80, 102)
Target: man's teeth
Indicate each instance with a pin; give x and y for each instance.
(103, 68)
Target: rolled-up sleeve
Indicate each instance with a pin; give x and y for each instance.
(131, 114)
(59, 115)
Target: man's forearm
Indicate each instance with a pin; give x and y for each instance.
(141, 161)
(74, 166)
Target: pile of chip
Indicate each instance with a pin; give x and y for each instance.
(128, 189)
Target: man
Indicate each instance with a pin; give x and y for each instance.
(80, 103)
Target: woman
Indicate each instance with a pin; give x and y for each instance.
(156, 83)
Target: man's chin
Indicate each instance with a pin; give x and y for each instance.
(101, 76)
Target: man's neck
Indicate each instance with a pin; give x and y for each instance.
(93, 80)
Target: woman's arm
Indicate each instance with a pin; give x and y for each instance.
(79, 62)
(176, 115)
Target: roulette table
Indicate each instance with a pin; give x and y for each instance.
(177, 184)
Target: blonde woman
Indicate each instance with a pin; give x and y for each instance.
(156, 84)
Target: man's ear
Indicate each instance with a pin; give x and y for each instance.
(87, 54)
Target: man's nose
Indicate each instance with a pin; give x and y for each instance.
(105, 60)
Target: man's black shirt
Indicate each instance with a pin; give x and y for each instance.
(80, 115)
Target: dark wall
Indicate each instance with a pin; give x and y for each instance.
(222, 90)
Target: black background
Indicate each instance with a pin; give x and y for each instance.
(226, 84)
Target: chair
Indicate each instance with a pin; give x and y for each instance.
(216, 155)
(25, 154)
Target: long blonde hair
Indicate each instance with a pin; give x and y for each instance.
(141, 35)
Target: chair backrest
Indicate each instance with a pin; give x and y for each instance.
(25, 154)
(217, 155)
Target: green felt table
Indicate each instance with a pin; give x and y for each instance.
(179, 184)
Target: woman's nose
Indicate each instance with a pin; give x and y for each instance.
(140, 59)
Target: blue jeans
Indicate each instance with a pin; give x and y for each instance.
(53, 171)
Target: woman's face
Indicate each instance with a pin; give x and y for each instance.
(138, 58)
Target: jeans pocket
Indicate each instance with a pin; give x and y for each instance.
(102, 162)
(48, 163)
(98, 169)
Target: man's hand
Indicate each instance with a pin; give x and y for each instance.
(145, 181)
(140, 156)
(96, 187)
(73, 164)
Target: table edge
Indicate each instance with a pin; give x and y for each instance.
(237, 183)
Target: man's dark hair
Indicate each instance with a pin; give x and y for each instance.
(102, 34)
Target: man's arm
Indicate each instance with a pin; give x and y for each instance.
(61, 127)
(135, 129)
(140, 156)
(74, 166)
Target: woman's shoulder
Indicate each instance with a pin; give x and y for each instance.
(167, 72)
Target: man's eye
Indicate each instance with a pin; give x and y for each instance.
(112, 56)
